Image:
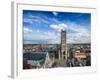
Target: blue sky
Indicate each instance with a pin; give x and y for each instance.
(44, 27)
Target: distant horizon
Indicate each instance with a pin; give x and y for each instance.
(54, 44)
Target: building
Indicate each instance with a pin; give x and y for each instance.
(63, 53)
(37, 60)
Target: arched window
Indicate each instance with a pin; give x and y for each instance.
(64, 53)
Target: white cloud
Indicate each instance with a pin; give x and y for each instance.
(58, 27)
(51, 37)
(28, 20)
(39, 19)
(35, 19)
(81, 34)
(55, 13)
(38, 30)
(27, 30)
(78, 38)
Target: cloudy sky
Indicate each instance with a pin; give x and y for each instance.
(44, 27)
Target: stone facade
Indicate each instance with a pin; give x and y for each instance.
(63, 53)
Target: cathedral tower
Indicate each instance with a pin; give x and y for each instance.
(63, 54)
